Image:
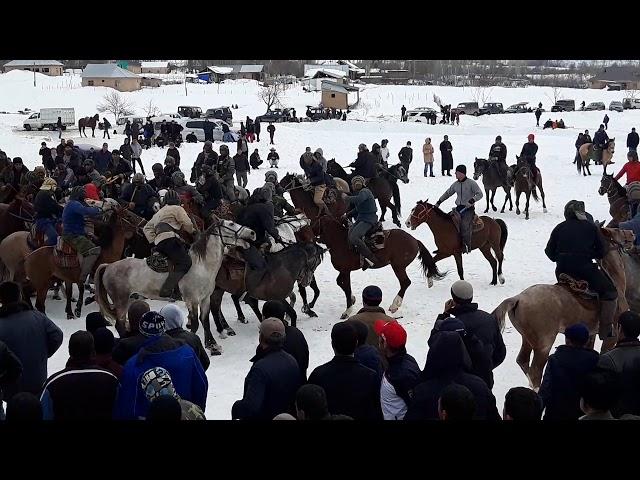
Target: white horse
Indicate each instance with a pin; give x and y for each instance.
(287, 227)
(131, 275)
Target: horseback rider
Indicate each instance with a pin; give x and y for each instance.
(74, 233)
(498, 154)
(226, 169)
(207, 156)
(187, 193)
(47, 211)
(468, 193)
(365, 165)
(160, 181)
(572, 245)
(364, 206)
(280, 204)
(162, 230)
(632, 169)
(528, 154)
(586, 137)
(600, 142)
(170, 166)
(320, 158)
(258, 216)
(210, 189)
(139, 197)
(316, 176)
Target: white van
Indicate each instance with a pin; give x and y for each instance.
(631, 103)
(48, 118)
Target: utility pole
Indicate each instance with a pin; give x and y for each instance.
(34, 73)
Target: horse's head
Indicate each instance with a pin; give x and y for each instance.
(231, 233)
(288, 181)
(400, 172)
(419, 214)
(611, 148)
(622, 239)
(607, 184)
(479, 167)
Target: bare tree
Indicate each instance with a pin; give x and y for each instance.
(556, 95)
(481, 94)
(115, 104)
(151, 109)
(272, 95)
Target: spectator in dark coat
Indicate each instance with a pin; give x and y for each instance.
(447, 156)
(605, 120)
(632, 141)
(481, 364)
(476, 322)
(402, 373)
(254, 160)
(272, 130)
(47, 158)
(598, 395)
(312, 405)
(82, 391)
(365, 164)
(125, 149)
(624, 360)
(24, 407)
(31, 335)
(271, 385)
(174, 321)
(159, 181)
(456, 403)
(256, 127)
(10, 371)
(366, 354)
(242, 168)
(565, 370)
(406, 156)
(352, 389)
(128, 346)
(446, 363)
(104, 343)
(522, 404)
(174, 152)
(103, 159)
(294, 342)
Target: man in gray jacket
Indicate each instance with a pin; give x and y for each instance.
(468, 193)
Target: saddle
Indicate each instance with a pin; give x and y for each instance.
(478, 223)
(65, 255)
(158, 262)
(376, 237)
(234, 266)
(580, 290)
(36, 239)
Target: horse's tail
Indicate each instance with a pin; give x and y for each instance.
(508, 306)
(101, 294)
(429, 268)
(396, 196)
(532, 187)
(503, 233)
(579, 162)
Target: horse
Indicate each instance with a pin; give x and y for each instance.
(632, 275)
(120, 279)
(303, 200)
(526, 183)
(492, 237)
(15, 217)
(587, 152)
(380, 188)
(40, 266)
(542, 311)
(392, 175)
(399, 251)
(85, 122)
(296, 263)
(619, 207)
(492, 180)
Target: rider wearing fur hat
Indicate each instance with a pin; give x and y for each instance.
(47, 211)
(366, 212)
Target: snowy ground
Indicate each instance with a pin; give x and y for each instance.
(525, 262)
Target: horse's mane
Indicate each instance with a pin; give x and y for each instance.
(437, 210)
(199, 246)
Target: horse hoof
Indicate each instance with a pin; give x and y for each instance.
(501, 279)
(89, 300)
(243, 320)
(222, 334)
(393, 309)
(544, 210)
(494, 209)
(311, 313)
(231, 332)
(493, 283)
(344, 316)
(517, 212)
(70, 316)
(430, 282)
(215, 350)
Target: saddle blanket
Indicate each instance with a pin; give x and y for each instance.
(65, 256)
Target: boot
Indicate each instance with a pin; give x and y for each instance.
(370, 258)
(170, 284)
(88, 261)
(605, 319)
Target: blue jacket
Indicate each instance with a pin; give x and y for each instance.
(634, 226)
(365, 206)
(102, 160)
(182, 364)
(73, 217)
(314, 173)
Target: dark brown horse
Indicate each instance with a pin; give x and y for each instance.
(492, 180)
(618, 203)
(91, 122)
(493, 236)
(526, 182)
(15, 217)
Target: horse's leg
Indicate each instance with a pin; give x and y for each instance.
(344, 282)
(383, 210)
(56, 289)
(523, 358)
(316, 291)
(236, 303)
(518, 202)
(394, 213)
(93, 132)
(499, 255)
(41, 296)
(506, 197)
(253, 304)
(544, 205)
(486, 251)
(293, 316)
(68, 287)
(526, 208)
(303, 295)
(493, 195)
(486, 196)
(458, 259)
(401, 275)
(540, 357)
(78, 311)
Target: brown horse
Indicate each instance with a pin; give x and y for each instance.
(85, 122)
(587, 153)
(303, 200)
(492, 237)
(618, 203)
(542, 311)
(40, 266)
(525, 182)
(15, 217)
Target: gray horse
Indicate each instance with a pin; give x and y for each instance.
(492, 180)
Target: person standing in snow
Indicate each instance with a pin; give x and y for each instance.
(605, 120)
(403, 110)
(272, 130)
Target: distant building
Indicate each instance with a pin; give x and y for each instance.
(216, 74)
(388, 77)
(315, 74)
(627, 77)
(354, 72)
(132, 65)
(150, 82)
(52, 68)
(110, 75)
(155, 67)
(336, 95)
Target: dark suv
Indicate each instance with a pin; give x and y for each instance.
(277, 115)
(489, 108)
(221, 113)
(564, 106)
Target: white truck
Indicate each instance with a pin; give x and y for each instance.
(48, 118)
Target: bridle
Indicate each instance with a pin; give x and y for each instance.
(425, 211)
(217, 230)
(608, 191)
(291, 185)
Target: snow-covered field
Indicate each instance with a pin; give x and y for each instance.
(525, 262)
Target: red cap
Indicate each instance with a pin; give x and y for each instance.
(531, 137)
(394, 334)
(91, 191)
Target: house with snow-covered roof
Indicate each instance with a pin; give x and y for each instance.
(52, 68)
(156, 67)
(216, 74)
(110, 75)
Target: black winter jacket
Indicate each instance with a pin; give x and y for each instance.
(404, 374)
(10, 369)
(364, 165)
(498, 151)
(633, 140)
(529, 150)
(241, 162)
(624, 360)
(259, 218)
(405, 155)
(46, 206)
(369, 356)
(573, 244)
(296, 345)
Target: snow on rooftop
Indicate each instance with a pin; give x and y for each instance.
(154, 64)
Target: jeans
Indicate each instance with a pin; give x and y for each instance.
(632, 149)
(357, 232)
(133, 164)
(428, 168)
(241, 178)
(466, 224)
(48, 227)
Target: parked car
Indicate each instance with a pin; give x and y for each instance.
(421, 115)
(277, 115)
(221, 113)
(314, 114)
(467, 108)
(614, 87)
(631, 103)
(616, 106)
(519, 108)
(564, 106)
(492, 107)
(197, 127)
(595, 106)
(190, 112)
(48, 118)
